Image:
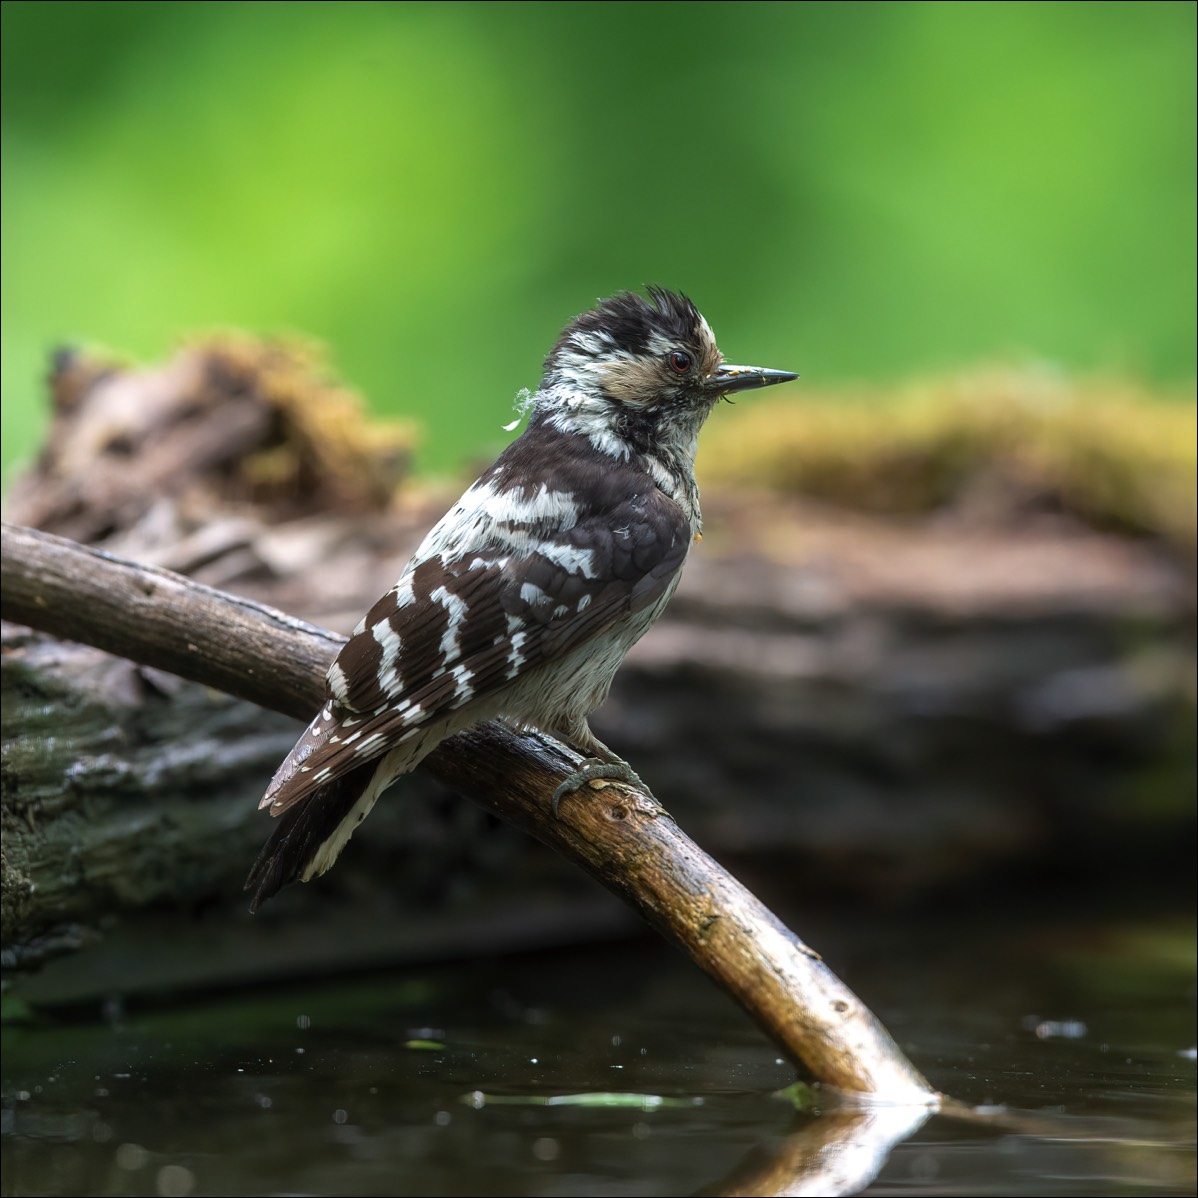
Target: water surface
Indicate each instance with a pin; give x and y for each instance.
(620, 1069)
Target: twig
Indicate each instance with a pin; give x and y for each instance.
(617, 834)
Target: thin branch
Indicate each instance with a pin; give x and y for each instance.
(619, 835)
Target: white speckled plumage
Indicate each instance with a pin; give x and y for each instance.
(524, 598)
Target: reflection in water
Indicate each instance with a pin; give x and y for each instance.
(836, 1153)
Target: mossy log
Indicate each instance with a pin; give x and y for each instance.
(835, 702)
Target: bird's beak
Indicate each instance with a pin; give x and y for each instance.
(741, 378)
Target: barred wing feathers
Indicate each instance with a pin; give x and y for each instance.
(466, 621)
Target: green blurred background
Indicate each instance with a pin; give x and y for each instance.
(854, 191)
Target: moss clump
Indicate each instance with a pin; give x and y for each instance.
(228, 421)
(320, 439)
(1112, 453)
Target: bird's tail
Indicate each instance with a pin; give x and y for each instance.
(310, 835)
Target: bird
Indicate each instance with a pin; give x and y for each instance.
(522, 601)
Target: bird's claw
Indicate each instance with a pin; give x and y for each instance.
(616, 771)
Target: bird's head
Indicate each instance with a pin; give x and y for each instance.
(641, 374)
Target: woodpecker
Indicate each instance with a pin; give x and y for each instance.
(522, 601)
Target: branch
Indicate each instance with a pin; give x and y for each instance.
(617, 834)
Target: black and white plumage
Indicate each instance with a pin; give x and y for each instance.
(522, 601)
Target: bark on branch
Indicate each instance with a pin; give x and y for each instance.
(620, 836)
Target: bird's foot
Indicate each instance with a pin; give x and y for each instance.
(616, 771)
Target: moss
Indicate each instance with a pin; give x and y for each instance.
(1111, 452)
(323, 439)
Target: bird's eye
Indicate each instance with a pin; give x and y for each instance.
(680, 363)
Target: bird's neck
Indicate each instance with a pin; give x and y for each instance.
(662, 443)
(674, 475)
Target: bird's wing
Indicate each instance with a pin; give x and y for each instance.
(467, 621)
